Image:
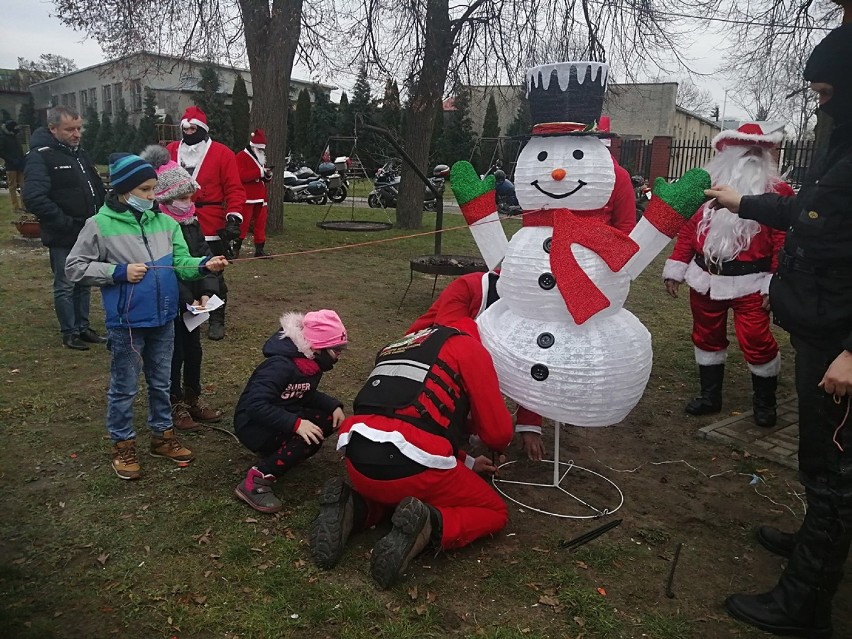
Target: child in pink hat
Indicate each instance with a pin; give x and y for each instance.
(281, 415)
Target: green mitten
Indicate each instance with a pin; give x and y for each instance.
(474, 195)
(685, 195)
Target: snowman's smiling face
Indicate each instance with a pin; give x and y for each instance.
(574, 172)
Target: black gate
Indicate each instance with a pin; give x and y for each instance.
(794, 159)
(688, 154)
(636, 157)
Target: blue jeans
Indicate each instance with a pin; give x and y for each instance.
(134, 351)
(70, 300)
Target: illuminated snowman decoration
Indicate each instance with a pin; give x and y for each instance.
(562, 343)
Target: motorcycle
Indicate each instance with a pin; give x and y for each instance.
(385, 191)
(641, 193)
(334, 175)
(302, 185)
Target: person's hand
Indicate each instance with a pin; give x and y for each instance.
(838, 378)
(310, 432)
(337, 418)
(135, 272)
(726, 196)
(533, 446)
(671, 287)
(764, 302)
(231, 231)
(216, 264)
(484, 464)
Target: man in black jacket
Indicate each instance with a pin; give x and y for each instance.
(811, 298)
(63, 189)
(13, 156)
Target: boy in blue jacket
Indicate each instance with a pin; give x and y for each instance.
(136, 254)
(281, 415)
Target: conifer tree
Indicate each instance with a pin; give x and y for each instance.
(302, 125)
(124, 134)
(211, 100)
(240, 114)
(345, 121)
(27, 113)
(91, 129)
(323, 117)
(488, 149)
(105, 144)
(459, 136)
(148, 124)
(391, 109)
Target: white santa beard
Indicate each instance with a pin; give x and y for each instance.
(594, 167)
(727, 234)
(190, 156)
(260, 154)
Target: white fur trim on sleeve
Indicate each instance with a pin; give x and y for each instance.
(526, 428)
(651, 241)
(675, 270)
(469, 461)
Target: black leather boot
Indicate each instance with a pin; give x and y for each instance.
(709, 401)
(800, 605)
(238, 244)
(216, 330)
(776, 541)
(258, 251)
(763, 400)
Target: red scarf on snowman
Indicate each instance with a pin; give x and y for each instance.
(615, 248)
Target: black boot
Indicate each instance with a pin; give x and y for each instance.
(216, 330)
(258, 250)
(800, 605)
(710, 399)
(238, 244)
(776, 541)
(763, 400)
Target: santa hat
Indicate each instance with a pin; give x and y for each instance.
(194, 115)
(173, 182)
(763, 134)
(258, 139)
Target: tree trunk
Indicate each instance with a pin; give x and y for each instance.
(423, 106)
(271, 43)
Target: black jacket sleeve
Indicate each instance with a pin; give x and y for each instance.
(36, 195)
(773, 210)
(323, 402)
(263, 402)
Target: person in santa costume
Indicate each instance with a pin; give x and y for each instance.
(219, 201)
(254, 174)
(403, 453)
(728, 263)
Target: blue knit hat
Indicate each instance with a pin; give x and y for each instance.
(127, 171)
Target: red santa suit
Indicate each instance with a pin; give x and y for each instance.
(423, 433)
(253, 175)
(737, 285)
(213, 167)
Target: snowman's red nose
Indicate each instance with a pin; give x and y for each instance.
(558, 174)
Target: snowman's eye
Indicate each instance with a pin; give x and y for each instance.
(542, 156)
(578, 154)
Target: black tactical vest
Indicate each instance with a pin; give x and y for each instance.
(399, 379)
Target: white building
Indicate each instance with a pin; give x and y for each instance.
(172, 79)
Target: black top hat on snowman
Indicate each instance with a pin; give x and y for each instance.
(566, 98)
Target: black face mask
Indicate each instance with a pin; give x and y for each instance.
(191, 139)
(325, 360)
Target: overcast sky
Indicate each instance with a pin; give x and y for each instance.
(27, 30)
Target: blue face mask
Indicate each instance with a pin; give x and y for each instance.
(139, 203)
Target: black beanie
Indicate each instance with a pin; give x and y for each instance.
(127, 171)
(831, 62)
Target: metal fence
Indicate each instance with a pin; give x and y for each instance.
(636, 157)
(794, 159)
(688, 154)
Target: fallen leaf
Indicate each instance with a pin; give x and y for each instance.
(392, 607)
(169, 621)
(289, 534)
(207, 573)
(57, 614)
(579, 621)
(420, 610)
(250, 520)
(431, 597)
(147, 550)
(62, 504)
(299, 564)
(199, 599)
(412, 592)
(547, 600)
(602, 592)
(102, 558)
(583, 565)
(537, 549)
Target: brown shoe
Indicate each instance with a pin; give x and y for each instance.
(125, 461)
(168, 446)
(181, 418)
(198, 410)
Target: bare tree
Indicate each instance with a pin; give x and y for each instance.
(693, 98)
(266, 32)
(428, 41)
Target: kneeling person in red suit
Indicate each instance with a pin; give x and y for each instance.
(427, 393)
